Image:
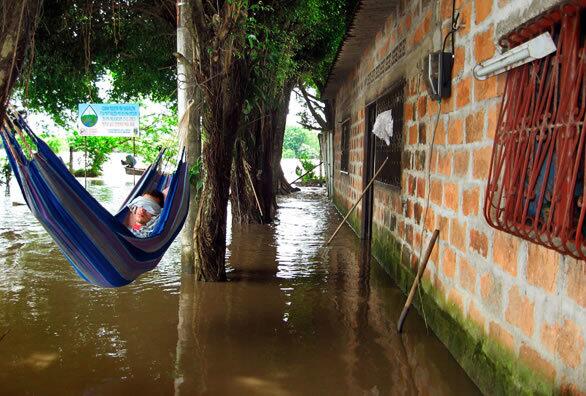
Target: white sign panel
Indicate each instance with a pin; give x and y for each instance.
(108, 119)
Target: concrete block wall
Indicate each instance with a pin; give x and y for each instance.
(528, 299)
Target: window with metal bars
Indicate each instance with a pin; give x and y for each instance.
(393, 100)
(536, 181)
(345, 160)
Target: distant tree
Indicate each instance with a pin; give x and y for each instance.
(300, 142)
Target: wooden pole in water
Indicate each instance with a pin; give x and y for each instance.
(416, 281)
(357, 201)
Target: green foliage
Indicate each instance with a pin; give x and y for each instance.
(300, 143)
(78, 43)
(55, 143)
(308, 170)
(156, 132)
(5, 171)
(97, 148)
(86, 173)
(291, 41)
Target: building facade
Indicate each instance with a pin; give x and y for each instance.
(511, 311)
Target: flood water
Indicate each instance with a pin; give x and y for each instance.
(295, 318)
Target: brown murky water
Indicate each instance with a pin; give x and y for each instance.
(294, 319)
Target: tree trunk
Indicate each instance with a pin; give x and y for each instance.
(221, 70)
(186, 93)
(17, 28)
(210, 227)
(221, 122)
(252, 181)
(280, 185)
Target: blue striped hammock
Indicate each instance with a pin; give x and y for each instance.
(96, 243)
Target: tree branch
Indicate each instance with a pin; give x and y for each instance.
(310, 126)
(322, 123)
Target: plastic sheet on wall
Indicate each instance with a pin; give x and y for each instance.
(537, 172)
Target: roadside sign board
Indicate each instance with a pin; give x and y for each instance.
(108, 119)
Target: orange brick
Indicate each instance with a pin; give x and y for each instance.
(413, 134)
(442, 225)
(449, 263)
(429, 220)
(446, 9)
(566, 341)
(458, 234)
(475, 127)
(505, 252)
(577, 281)
(571, 390)
(435, 193)
(467, 276)
(455, 298)
(502, 336)
(447, 105)
(461, 163)
(463, 92)
(432, 106)
(451, 195)
(465, 19)
(520, 311)
(485, 89)
(459, 60)
(422, 106)
(455, 131)
(444, 163)
(492, 121)
(542, 267)
(533, 359)
(409, 112)
(481, 163)
(479, 242)
(421, 187)
(476, 316)
(422, 29)
(483, 9)
(484, 47)
(500, 83)
(470, 201)
(440, 133)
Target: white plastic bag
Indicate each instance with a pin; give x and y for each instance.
(383, 126)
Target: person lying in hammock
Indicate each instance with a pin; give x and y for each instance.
(144, 213)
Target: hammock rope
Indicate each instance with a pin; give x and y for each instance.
(96, 243)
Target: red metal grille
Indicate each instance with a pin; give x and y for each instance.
(537, 173)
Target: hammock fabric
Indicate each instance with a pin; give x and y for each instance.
(96, 243)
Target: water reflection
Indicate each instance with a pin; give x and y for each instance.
(300, 319)
(294, 318)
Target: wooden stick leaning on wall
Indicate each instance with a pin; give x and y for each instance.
(357, 201)
(416, 280)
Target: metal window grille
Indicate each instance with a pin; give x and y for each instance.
(393, 100)
(537, 173)
(345, 160)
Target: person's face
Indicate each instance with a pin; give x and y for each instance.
(141, 215)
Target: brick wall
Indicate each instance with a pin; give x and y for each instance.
(529, 300)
